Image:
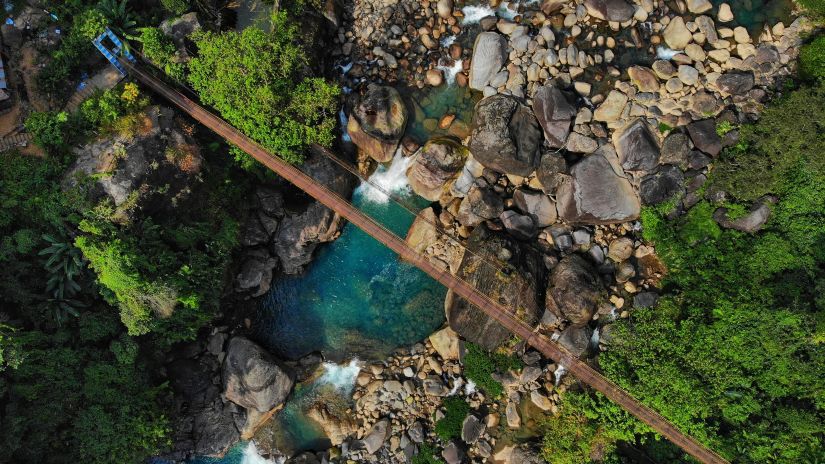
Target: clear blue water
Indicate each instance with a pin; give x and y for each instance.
(356, 299)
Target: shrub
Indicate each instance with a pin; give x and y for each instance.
(814, 8)
(160, 50)
(812, 59)
(176, 7)
(455, 411)
(49, 130)
(426, 455)
(258, 82)
(479, 366)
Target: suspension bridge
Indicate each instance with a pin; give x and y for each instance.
(581, 370)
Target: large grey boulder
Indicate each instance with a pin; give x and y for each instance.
(636, 146)
(576, 339)
(506, 136)
(573, 290)
(610, 10)
(378, 121)
(481, 204)
(489, 55)
(554, 113)
(597, 192)
(301, 232)
(662, 185)
(471, 429)
(436, 167)
(252, 378)
(735, 82)
(518, 287)
(552, 172)
(675, 150)
(537, 205)
(704, 136)
(376, 436)
(518, 225)
(750, 223)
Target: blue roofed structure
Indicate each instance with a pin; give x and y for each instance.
(116, 49)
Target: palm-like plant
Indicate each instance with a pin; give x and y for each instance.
(64, 264)
(121, 20)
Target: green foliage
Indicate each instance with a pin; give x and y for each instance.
(120, 17)
(426, 455)
(788, 135)
(723, 128)
(104, 109)
(812, 59)
(479, 366)
(572, 438)
(455, 411)
(814, 8)
(11, 355)
(90, 24)
(49, 130)
(733, 353)
(64, 266)
(160, 50)
(256, 80)
(176, 7)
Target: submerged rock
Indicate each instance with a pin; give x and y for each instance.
(597, 192)
(506, 136)
(518, 287)
(436, 167)
(378, 121)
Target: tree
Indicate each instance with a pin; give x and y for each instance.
(257, 81)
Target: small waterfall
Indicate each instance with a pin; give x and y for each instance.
(341, 376)
(458, 382)
(447, 41)
(559, 373)
(251, 456)
(594, 339)
(392, 179)
(451, 71)
(665, 53)
(342, 117)
(470, 388)
(474, 13)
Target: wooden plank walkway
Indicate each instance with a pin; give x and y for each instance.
(330, 199)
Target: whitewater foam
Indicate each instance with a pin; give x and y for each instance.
(251, 456)
(392, 179)
(342, 117)
(447, 41)
(665, 53)
(474, 13)
(451, 71)
(559, 373)
(341, 376)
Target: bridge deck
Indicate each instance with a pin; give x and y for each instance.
(551, 349)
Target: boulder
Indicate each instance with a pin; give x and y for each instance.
(214, 430)
(751, 222)
(574, 290)
(444, 8)
(578, 143)
(576, 340)
(637, 147)
(643, 78)
(453, 454)
(735, 82)
(518, 225)
(704, 136)
(677, 35)
(597, 192)
(506, 136)
(554, 113)
(251, 377)
(675, 150)
(447, 344)
(180, 28)
(611, 108)
(256, 271)
(436, 167)
(376, 436)
(300, 234)
(512, 415)
(662, 185)
(378, 121)
(489, 55)
(337, 427)
(610, 10)
(471, 429)
(699, 6)
(552, 172)
(620, 249)
(481, 204)
(518, 287)
(537, 205)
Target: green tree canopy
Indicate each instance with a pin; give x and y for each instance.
(258, 82)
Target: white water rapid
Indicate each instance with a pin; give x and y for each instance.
(392, 179)
(341, 376)
(251, 456)
(451, 71)
(665, 53)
